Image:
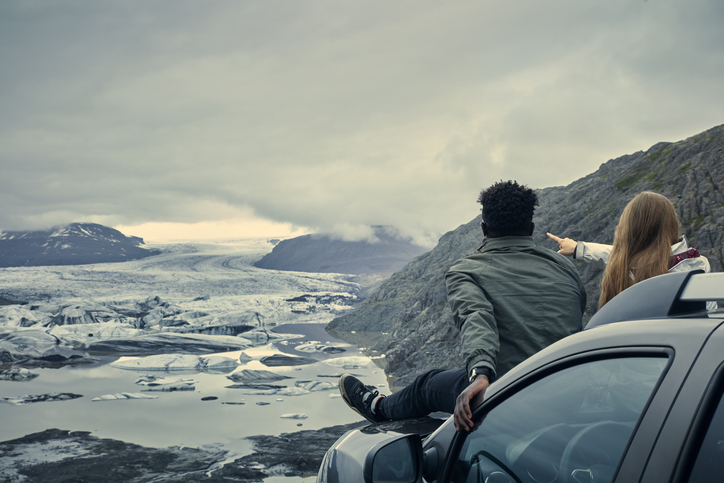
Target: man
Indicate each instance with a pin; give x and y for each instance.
(509, 301)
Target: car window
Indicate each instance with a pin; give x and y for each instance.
(709, 463)
(568, 427)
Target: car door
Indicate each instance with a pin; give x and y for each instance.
(690, 446)
(570, 422)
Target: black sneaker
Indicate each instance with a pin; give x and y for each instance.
(359, 397)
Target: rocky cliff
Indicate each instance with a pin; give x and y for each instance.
(409, 314)
(74, 244)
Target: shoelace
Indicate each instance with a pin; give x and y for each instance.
(369, 394)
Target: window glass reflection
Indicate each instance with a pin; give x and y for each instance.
(571, 426)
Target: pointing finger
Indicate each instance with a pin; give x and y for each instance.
(554, 238)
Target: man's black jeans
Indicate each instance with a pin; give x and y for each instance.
(433, 391)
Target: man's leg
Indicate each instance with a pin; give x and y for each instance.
(433, 391)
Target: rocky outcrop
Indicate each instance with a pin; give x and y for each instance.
(322, 253)
(74, 244)
(407, 317)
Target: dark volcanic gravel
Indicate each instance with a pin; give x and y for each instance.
(80, 457)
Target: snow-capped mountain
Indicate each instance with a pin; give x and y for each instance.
(74, 244)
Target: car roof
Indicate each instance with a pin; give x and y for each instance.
(680, 294)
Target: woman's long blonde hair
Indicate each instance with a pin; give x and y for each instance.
(642, 244)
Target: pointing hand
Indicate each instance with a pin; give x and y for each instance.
(566, 245)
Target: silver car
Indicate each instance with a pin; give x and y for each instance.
(636, 397)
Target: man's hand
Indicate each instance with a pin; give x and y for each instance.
(566, 245)
(463, 413)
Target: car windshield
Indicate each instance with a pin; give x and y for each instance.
(571, 426)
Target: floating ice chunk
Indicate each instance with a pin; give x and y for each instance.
(191, 315)
(338, 375)
(263, 336)
(53, 396)
(153, 381)
(264, 388)
(60, 354)
(292, 391)
(314, 386)
(19, 316)
(17, 374)
(348, 362)
(282, 360)
(166, 384)
(334, 395)
(91, 332)
(247, 375)
(83, 313)
(122, 396)
(260, 390)
(156, 343)
(178, 362)
(294, 416)
(219, 363)
(23, 343)
(170, 388)
(326, 347)
(161, 362)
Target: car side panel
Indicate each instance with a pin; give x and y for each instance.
(668, 448)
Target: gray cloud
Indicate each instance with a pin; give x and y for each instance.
(327, 114)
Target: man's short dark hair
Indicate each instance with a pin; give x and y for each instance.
(508, 207)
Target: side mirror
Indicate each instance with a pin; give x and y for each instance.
(396, 461)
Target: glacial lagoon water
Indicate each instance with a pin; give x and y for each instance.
(179, 418)
(213, 414)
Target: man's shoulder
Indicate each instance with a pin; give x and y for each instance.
(475, 261)
(544, 260)
(486, 256)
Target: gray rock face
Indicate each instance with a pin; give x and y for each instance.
(407, 318)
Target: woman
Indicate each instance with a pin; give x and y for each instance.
(646, 244)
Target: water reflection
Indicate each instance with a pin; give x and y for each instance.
(182, 418)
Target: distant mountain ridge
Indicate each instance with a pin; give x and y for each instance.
(74, 244)
(322, 253)
(411, 309)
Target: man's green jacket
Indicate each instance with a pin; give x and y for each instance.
(511, 300)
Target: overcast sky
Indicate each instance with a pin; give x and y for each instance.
(187, 119)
